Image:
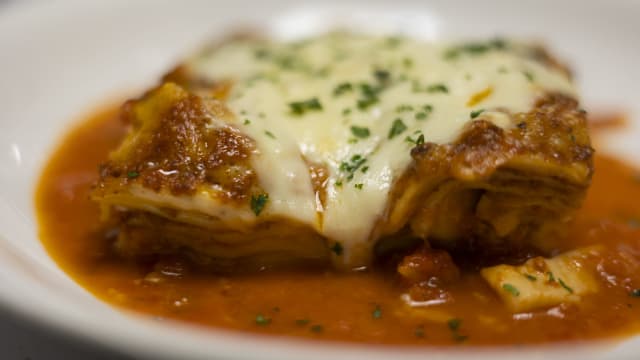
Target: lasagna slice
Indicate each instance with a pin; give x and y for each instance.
(338, 148)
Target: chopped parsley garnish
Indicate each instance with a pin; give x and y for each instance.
(133, 174)
(342, 88)
(302, 322)
(437, 88)
(337, 248)
(369, 96)
(417, 141)
(498, 43)
(286, 62)
(346, 111)
(338, 183)
(377, 312)
(635, 293)
(530, 277)
(454, 326)
(247, 121)
(369, 93)
(474, 48)
(419, 331)
(360, 132)
(511, 289)
(317, 328)
(301, 107)
(528, 75)
(474, 114)
(269, 134)
(393, 41)
(397, 128)
(262, 320)
(426, 110)
(258, 203)
(383, 76)
(350, 167)
(365, 103)
(352, 140)
(261, 53)
(404, 108)
(364, 169)
(565, 286)
(407, 62)
(551, 278)
(358, 186)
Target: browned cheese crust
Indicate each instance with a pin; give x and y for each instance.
(496, 191)
(175, 150)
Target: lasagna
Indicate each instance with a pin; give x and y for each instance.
(338, 149)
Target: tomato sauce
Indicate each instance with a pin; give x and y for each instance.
(356, 307)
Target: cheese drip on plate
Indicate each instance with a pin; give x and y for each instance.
(358, 104)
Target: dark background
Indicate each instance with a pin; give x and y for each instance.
(23, 340)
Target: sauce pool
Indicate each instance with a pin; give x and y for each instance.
(357, 307)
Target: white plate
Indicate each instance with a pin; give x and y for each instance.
(60, 59)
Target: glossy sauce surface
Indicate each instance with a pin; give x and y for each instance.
(361, 307)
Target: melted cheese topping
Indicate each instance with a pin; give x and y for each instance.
(358, 104)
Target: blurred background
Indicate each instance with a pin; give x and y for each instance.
(21, 340)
